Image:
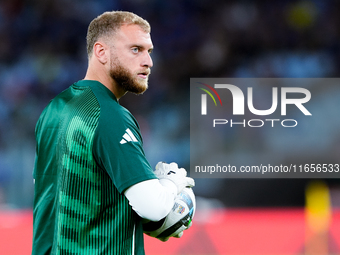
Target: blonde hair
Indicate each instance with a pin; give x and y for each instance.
(108, 23)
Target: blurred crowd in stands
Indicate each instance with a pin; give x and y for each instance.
(43, 51)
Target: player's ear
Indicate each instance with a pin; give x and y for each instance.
(100, 51)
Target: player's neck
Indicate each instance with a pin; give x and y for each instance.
(101, 76)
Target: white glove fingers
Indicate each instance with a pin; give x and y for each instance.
(182, 172)
(179, 235)
(173, 165)
(159, 165)
(190, 182)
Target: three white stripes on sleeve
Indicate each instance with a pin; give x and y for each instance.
(128, 137)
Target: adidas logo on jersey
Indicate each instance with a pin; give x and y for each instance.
(128, 137)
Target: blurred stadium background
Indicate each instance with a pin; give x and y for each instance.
(42, 52)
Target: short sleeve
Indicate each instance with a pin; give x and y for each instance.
(118, 149)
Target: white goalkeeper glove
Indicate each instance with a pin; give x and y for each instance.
(174, 174)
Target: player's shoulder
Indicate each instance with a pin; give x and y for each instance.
(106, 99)
(50, 113)
(111, 112)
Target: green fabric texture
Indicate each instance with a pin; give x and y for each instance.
(81, 172)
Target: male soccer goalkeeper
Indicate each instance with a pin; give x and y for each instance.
(93, 184)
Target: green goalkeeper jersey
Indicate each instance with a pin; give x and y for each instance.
(88, 152)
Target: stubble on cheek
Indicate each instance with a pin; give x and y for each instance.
(126, 80)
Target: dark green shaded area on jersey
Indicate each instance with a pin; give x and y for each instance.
(81, 171)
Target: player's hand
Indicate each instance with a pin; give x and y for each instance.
(179, 235)
(164, 239)
(174, 174)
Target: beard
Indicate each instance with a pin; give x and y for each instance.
(125, 80)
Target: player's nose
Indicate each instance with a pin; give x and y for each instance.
(147, 60)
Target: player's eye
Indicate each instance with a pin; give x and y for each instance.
(135, 49)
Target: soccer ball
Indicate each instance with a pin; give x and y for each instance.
(178, 219)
